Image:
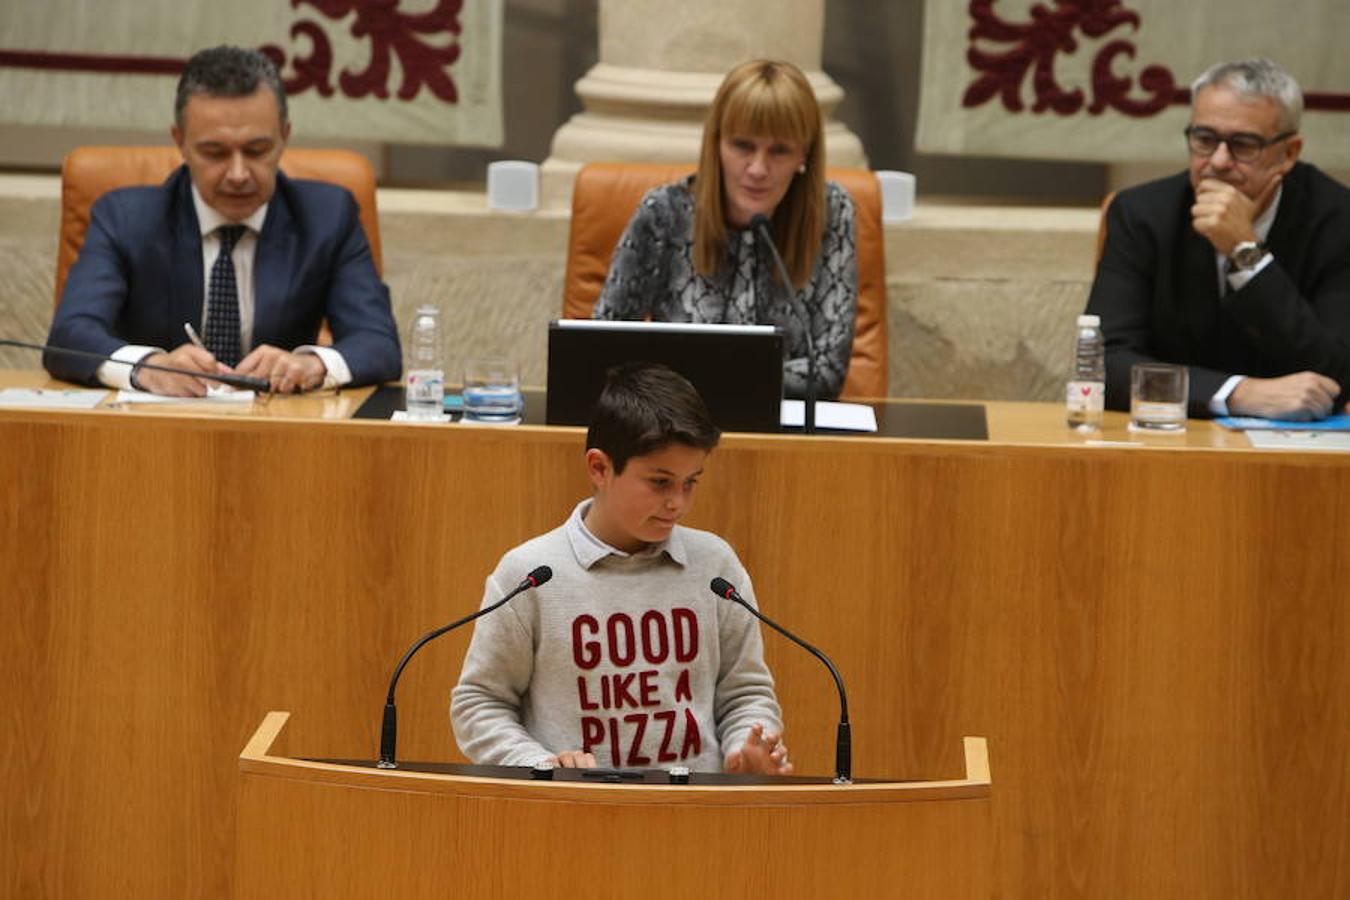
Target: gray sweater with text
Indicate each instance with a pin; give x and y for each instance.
(629, 657)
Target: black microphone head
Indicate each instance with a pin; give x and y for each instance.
(539, 576)
(758, 221)
(722, 588)
(245, 383)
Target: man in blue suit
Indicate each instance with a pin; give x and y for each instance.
(230, 249)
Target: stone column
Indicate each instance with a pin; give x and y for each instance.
(660, 64)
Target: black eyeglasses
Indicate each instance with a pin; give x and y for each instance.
(1243, 146)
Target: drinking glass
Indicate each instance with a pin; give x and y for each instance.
(1158, 397)
(492, 391)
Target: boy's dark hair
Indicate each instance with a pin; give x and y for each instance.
(645, 407)
(227, 72)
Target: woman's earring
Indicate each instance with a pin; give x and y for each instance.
(801, 170)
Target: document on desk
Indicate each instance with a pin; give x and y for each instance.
(51, 398)
(830, 414)
(213, 396)
(1299, 440)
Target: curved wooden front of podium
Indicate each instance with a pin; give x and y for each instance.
(319, 830)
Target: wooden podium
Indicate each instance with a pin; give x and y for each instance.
(334, 831)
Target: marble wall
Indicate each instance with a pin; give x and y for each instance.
(29, 219)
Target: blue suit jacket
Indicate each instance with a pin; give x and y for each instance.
(139, 277)
(1157, 290)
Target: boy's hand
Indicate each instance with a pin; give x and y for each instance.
(763, 753)
(574, 759)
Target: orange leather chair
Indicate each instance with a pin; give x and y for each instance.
(1101, 224)
(87, 173)
(606, 194)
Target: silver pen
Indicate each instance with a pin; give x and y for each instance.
(193, 336)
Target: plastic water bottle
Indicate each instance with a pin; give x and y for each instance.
(425, 382)
(1086, 394)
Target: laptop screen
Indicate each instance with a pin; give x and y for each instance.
(737, 369)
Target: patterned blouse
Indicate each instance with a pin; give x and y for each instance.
(652, 275)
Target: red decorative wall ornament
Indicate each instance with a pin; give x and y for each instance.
(391, 33)
(310, 71)
(1050, 32)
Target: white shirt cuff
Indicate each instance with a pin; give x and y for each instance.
(338, 374)
(1238, 278)
(117, 375)
(1218, 404)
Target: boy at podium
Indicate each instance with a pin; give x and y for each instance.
(625, 658)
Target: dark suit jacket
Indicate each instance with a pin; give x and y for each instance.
(139, 277)
(1157, 290)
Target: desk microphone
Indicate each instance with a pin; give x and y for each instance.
(242, 382)
(389, 727)
(843, 740)
(760, 223)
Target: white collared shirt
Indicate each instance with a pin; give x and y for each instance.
(210, 221)
(1236, 281)
(245, 249)
(590, 549)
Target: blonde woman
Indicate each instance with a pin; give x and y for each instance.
(690, 255)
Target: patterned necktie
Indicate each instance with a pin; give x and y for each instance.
(222, 301)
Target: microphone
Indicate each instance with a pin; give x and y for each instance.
(843, 740)
(242, 382)
(760, 223)
(389, 726)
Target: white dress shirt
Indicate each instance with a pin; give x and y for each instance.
(209, 220)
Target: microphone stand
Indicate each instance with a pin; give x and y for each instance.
(241, 382)
(761, 225)
(389, 724)
(843, 738)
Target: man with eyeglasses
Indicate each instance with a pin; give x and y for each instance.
(1238, 268)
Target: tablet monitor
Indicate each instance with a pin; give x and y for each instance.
(737, 369)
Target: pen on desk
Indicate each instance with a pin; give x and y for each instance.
(193, 336)
(197, 341)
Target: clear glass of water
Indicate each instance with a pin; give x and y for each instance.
(1158, 397)
(492, 391)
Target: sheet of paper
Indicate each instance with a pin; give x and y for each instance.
(49, 398)
(830, 414)
(213, 395)
(401, 415)
(1299, 440)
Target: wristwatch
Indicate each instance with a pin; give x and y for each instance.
(1247, 254)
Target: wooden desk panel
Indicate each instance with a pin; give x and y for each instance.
(334, 404)
(1152, 638)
